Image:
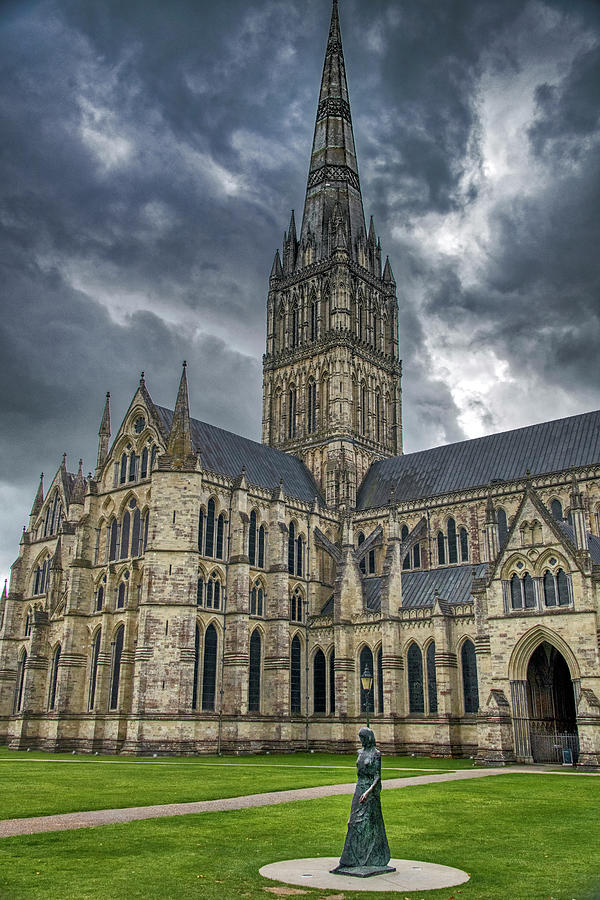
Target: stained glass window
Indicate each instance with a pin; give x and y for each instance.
(116, 667)
(416, 700)
(431, 679)
(319, 687)
(469, 677)
(296, 676)
(254, 673)
(209, 672)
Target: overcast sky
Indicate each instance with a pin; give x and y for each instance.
(151, 152)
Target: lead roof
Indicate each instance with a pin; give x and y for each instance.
(227, 454)
(540, 449)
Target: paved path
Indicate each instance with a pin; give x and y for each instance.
(68, 821)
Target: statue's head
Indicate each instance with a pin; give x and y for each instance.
(367, 738)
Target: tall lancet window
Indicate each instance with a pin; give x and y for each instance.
(363, 408)
(312, 407)
(313, 320)
(292, 413)
(295, 327)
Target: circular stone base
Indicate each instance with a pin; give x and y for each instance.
(410, 875)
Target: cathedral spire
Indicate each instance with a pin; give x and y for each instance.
(104, 434)
(39, 498)
(179, 445)
(333, 174)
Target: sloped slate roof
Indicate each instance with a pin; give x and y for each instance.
(593, 542)
(226, 453)
(548, 447)
(452, 583)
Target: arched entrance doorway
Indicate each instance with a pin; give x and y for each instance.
(551, 706)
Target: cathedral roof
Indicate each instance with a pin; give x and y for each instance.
(548, 447)
(451, 583)
(593, 542)
(227, 453)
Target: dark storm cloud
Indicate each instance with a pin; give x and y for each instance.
(151, 153)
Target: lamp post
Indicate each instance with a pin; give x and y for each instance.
(366, 680)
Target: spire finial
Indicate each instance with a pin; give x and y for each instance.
(180, 437)
(142, 379)
(64, 461)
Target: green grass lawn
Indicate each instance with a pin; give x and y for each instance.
(521, 837)
(36, 784)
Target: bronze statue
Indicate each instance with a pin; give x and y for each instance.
(366, 851)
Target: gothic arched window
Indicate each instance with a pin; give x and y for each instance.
(469, 677)
(414, 660)
(94, 669)
(299, 557)
(562, 583)
(254, 673)
(292, 397)
(123, 471)
(220, 536)
(53, 678)
(452, 548)
(20, 684)
(201, 531)
(296, 603)
(125, 535)
(144, 466)
(363, 408)
(136, 546)
(549, 589)
(121, 595)
(312, 407)
(431, 679)
(196, 668)
(332, 681)
(319, 687)
(261, 547)
(210, 528)
(252, 539)
(114, 540)
(28, 621)
(502, 526)
(313, 320)
(556, 510)
(100, 598)
(291, 548)
(404, 535)
(116, 667)
(516, 600)
(441, 548)
(146, 524)
(213, 592)
(362, 564)
(529, 591)
(209, 671)
(367, 700)
(200, 591)
(256, 599)
(296, 675)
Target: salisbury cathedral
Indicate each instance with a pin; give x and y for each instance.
(204, 593)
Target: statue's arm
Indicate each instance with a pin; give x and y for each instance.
(376, 779)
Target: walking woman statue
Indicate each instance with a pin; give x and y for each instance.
(366, 851)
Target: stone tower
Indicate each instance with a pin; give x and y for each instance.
(331, 372)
